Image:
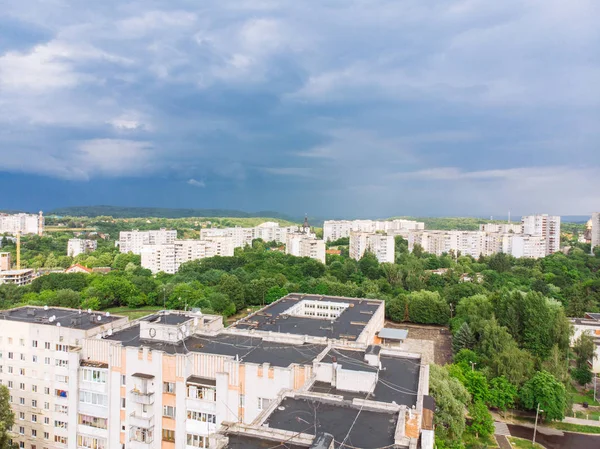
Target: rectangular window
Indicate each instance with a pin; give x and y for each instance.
(46, 360)
(89, 397)
(61, 393)
(34, 402)
(22, 371)
(263, 403)
(92, 421)
(22, 401)
(62, 348)
(123, 402)
(201, 416)
(34, 359)
(47, 345)
(34, 343)
(61, 408)
(10, 370)
(22, 356)
(10, 384)
(46, 391)
(60, 424)
(10, 340)
(22, 430)
(34, 388)
(21, 415)
(168, 411)
(46, 435)
(33, 434)
(197, 440)
(62, 363)
(86, 442)
(242, 401)
(46, 406)
(62, 379)
(169, 387)
(93, 375)
(46, 420)
(33, 418)
(11, 355)
(123, 380)
(60, 440)
(22, 386)
(22, 341)
(168, 435)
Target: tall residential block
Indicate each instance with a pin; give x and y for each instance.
(134, 241)
(546, 226)
(382, 245)
(336, 229)
(80, 246)
(22, 223)
(595, 229)
(305, 245)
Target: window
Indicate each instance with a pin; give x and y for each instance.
(46, 406)
(10, 370)
(205, 393)
(21, 445)
(10, 384)
(22, 371)
(89, 397)
(46, 360)
(10, 340)
(123, 380)
(34, 388)
(46, 391)
(62, 348)
(242, 401)
(33, 433)
(46, 435)
(34, 343)
(21, 415)
(22, 430)
(201, 416)
(47, 345)
(197, 440)
(60, 424)
(169, 411)
(93, 375)
(62, 379)
(92, 421)
(46, 420)
(123, 402)
(62, 363)
(141, 434)
(22, 356)
(86, 442)
(61, 393)
(168, 435)
(22, 341)
(263, 403)
(34, 359)
(34, 402)
(169, 387)
(60, 440)
(11, 355)
(61, 408)
(22, 386)
(33, 418)
(22, 401)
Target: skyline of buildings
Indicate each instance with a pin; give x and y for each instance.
(84, 379)
(337, 229)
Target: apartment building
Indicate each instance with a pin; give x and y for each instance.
(180, 380)
(268, 231)
(382, 245)
(23, 276)
(502, 228)
(529, 246)
(22, 223)
(50, 383)
(80, 246)
(546, 226)
(5, 261)
(169, 257)
(336, 229)
(135, 241)
(595, 231)
(305, 245)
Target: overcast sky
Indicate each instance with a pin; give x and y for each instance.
(328, 107)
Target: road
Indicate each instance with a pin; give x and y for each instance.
(566, 441)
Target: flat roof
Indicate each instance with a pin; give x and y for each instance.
(171, 319)
(359, 428)
(349, 324)
(237, 441)
(595, 316)
(247, 349)
(398, 380)
(349, 360)
(70, 318)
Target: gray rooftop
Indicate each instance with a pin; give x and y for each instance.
(349, 324)
(70, 318)
(365, 429)
(247, 349)
(172, 319)
(237, 441)
(393, 334)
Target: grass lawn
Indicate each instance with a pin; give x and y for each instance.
(588, 415)
(523, 444)
(588, 397)
(471, 441)
(575, 428)
(133, 314)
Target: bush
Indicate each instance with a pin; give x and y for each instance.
(582, 375)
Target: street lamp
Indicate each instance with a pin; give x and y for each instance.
(536, 419)
(473, 365)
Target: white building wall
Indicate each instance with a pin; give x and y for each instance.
(595, 229)
(135, 241)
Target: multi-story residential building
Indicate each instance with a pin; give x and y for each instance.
(58, 397)
(180, 380)
(305, 245)
(502, 228)
(80, 246)
(268, 231)
(22, 224)
(135, 241)
(336, 229)
(22, 276)
(5, 262)
(169, 257)
(595, 230)
(546, 226)
(382, 245)
(529, 246)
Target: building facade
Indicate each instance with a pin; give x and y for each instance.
(595, 231)
(305, 245)
(80, 246)
(337, 229)
(382, 245)
(5, 261)
(268, 231)
(22, 224)
(23, 276)
(546, 226)
(502, 228)
(135, 241)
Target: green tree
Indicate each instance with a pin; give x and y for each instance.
(502, 393)
(584, 349)
(428, 308)
(494, 340)
(463, 339)
(582, 375)
(482, 423)
(233, 288)
(369, 265)
(476, 384)
(68, 298)
(274, 294)
(7, 418)
(220, 303)
(556, 364)
(517, 365)
(549, 393)
(395, 309)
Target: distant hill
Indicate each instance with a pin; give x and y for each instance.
(160, 212)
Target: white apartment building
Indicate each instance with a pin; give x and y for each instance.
(80, 246)
(169, 257)
(268, 231)
(595, 229)
(502, 228)
(383, 246)
(529, 246)
(180, 380)
(336, 229)
(22, 276)
(305, 245)
(22, 223)
(135, 241)
(546, 226)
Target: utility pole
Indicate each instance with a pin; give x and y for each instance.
(537, 412)
(595, 377)
(451, 309)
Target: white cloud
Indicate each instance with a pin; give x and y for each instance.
(196, 183)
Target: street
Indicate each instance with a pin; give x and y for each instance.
(566, 441)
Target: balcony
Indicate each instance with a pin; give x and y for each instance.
(141, 397)
(141, 420)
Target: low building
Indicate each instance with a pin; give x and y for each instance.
(5, 262)
(23, 276)
(77, 268)
(80, 246)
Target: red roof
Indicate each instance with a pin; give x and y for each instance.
(81, 267)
